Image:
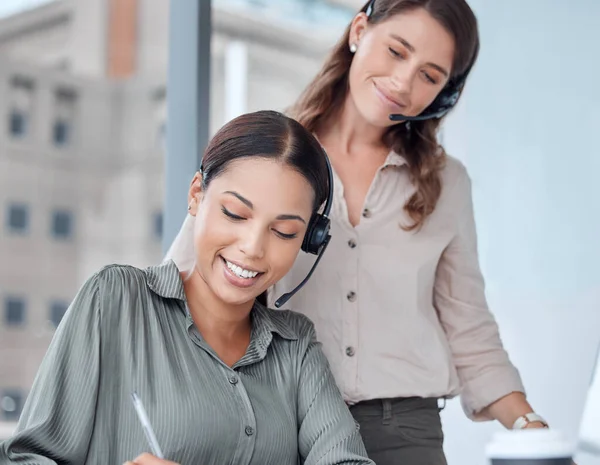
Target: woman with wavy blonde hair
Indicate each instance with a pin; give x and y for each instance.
(398, 301)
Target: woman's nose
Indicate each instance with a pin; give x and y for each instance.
(252, 244)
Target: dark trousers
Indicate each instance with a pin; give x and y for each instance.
(405, 431)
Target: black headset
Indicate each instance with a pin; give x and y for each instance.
(317, 235)
(443, 103)
(446, 99)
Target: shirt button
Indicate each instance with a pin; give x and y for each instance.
(351, 243)
(366, 213)
(351, 296)
(233, 380)
(249, 431)
(350, 351)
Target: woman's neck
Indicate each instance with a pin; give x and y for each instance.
(349, 132)
(225, 327)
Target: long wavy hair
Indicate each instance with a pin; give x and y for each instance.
(417, 143)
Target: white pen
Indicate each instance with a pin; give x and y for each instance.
(146, 426)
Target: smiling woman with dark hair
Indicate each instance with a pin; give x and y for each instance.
(223, 378)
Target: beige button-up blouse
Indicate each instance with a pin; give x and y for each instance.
(402, 313)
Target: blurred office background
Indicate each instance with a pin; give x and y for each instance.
(83, 138)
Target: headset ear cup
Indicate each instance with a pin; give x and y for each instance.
(316, 234)
(308, 235)
(443, 103)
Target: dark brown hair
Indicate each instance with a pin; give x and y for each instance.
(270, 135)
(324, 97)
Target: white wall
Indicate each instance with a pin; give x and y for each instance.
(527, 131)
(152, 37)
(88, 40)
(44, 46)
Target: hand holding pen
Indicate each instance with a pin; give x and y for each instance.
(147, 459)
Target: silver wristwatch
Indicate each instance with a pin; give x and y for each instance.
(524, 420)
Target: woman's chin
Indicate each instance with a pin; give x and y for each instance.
(378, 119)
(237, 297)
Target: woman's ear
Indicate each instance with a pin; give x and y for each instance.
(357, 29)
(195, 194)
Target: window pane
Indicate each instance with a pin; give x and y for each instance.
(14, 311)
(17, 218)
(57, 311)
(61, 133)
(157, 225)
(17, 123)
(65, 106)
(62, 224)
(20, 99)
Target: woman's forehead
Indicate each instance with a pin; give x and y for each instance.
(265, 182)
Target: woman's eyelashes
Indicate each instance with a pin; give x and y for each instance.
(396, 53)
(285, 236)
(429, 78)
(402, 56)
(233, 217)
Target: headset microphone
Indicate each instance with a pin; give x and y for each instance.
(399, 117)
(288, 295)
(443, 103)
(317, 236)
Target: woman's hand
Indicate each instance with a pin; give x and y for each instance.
(149, 459)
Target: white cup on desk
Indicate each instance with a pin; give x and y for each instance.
(530, 447)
